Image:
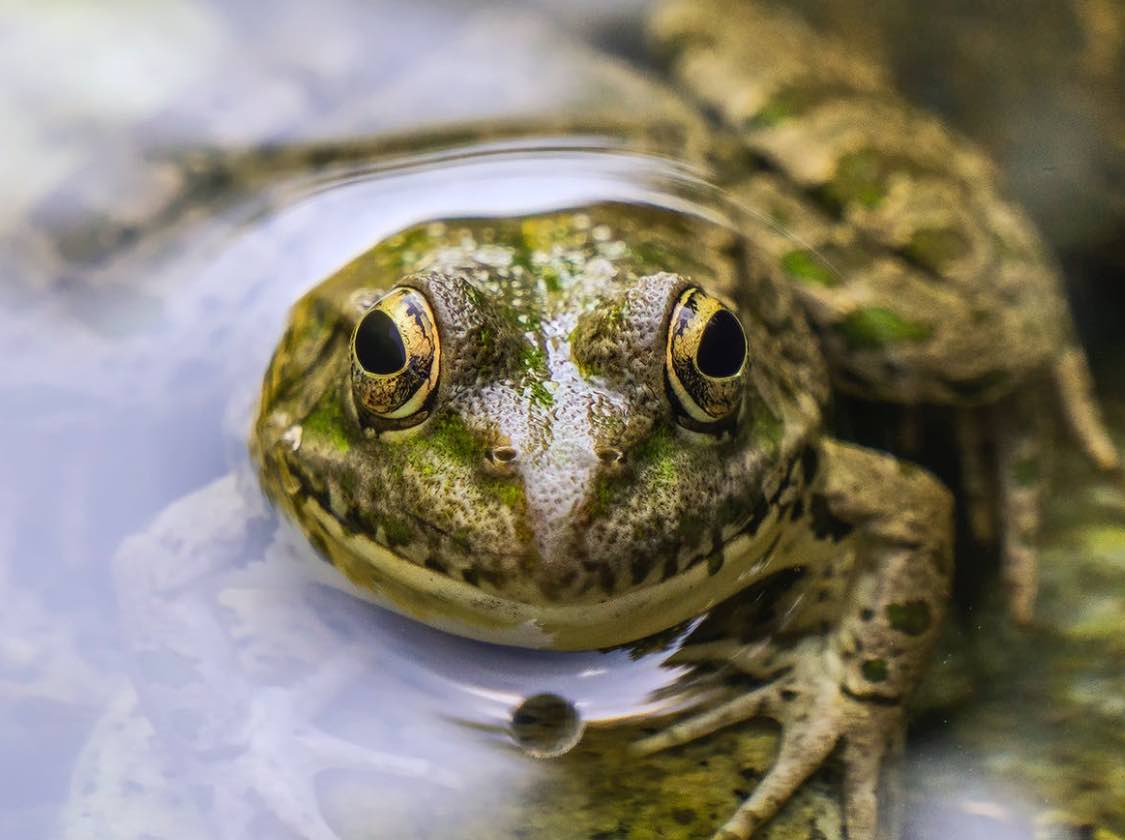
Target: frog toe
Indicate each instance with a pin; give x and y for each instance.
(760, 702)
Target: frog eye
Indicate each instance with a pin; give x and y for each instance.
(706, 357)
(396, 355)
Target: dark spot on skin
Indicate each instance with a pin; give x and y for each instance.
(749, 774)
(874, 699)
(798, 510)
(825, 524)
(639, 568)
(607, 579)
(470, 577)
(683, 816)
(492, 577)
(788, 696)
(979, 387)
(320, 545)
(822, 596)
(670, 568)
(911, 618)
(783, 485)
(696, 559)
(757, 517)
(436, 565)
(715, 563)
(867, 615)
(875, 670)
(810, 463)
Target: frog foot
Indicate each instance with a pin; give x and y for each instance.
(816, 712)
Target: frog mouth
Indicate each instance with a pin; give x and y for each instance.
(521, 617)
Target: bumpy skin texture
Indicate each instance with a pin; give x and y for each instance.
(551, 471)
(554, 494)
(922, 282)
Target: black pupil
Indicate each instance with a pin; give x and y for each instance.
(378, 344)
(722, 348)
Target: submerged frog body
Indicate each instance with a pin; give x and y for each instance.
(560, 431)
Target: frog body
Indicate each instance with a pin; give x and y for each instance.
(622, 435)
(555, 454)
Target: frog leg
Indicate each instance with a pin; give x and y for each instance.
(1020, 433)
(1075, 390)
(849, 685)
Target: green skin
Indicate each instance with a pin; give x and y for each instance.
(611, 517)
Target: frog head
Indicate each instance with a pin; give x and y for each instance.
(574, 451)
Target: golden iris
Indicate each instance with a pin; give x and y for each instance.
(706, 357)
(396, 356)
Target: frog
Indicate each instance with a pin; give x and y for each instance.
(546, 432)
(558, 432)
(530, 434)
(898, 271)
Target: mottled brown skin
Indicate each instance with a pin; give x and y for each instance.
(923, 283)
(550, 468)
(554, 467)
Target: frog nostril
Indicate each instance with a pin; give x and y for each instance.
(609, 455)
(502, 454)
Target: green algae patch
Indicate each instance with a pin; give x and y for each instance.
(936, 248)
(911, 618)
(875, 328)
(594, 338)
(446, 441)
(397, 532)
(790, 102)
(766, 429)
(327, 422)
(1026, 472)
(509, 493)
(860, 178)
(804, 265)
(656, 456)
(875, 670)
(533, 366)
